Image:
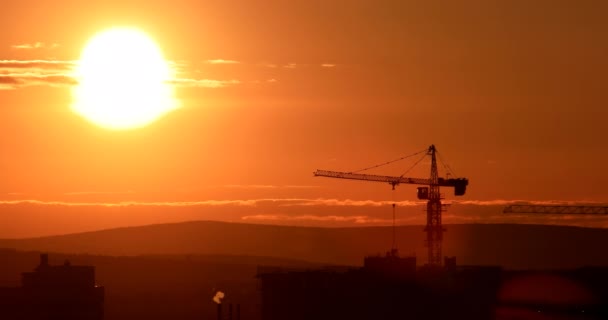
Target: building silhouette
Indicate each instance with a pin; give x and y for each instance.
(393, 287)
(49, 292)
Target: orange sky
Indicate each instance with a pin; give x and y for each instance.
(512, 93)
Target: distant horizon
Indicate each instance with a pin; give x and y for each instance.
(509, 245)
(329, 222)
(89, 211)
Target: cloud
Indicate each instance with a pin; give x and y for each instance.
(264, 186)
(267, 81)
(80, 193)
(501, 202)
(35, 45)
(293, 65)
(16, 74)
(203, 83)
(268, 65)
(317, 218)
(341, 219)
(280, 202)
(318, 212)
(23, 73)
(133, 203)
(14, 81)
(351, 203)
(371, 212)
(57, 65)
(284, 202)
(222, 61)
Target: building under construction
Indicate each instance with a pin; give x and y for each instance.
(392, 287)
(63, 292)
(385, 287)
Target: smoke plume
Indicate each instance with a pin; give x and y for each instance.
(218, 297)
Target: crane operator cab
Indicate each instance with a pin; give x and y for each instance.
(423, 193)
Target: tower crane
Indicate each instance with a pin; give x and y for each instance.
(434, 229)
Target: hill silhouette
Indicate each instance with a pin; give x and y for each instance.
(509, 245)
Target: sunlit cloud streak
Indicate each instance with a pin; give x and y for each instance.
(298, 211)
(283, 202)
(248, 202)
(37, 64)
(133, 203)
(222, 61)
(15, 74)
(351, 203)
(203, 83)
(80, 193)
(264, 186)
(500, 202)
(14, 81)
(35, 45)
(316, 218)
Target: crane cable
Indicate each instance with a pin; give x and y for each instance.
(412, 167)
(389, 162)
(447, 167)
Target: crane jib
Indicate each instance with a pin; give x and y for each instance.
(459, 184)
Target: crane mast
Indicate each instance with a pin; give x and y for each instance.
(434, 228)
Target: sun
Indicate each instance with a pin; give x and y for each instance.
(123, 80)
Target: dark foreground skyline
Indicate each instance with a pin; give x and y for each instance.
(187, 287)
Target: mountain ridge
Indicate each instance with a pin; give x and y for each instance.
(508, 245)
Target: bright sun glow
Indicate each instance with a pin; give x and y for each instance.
(123, 80)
